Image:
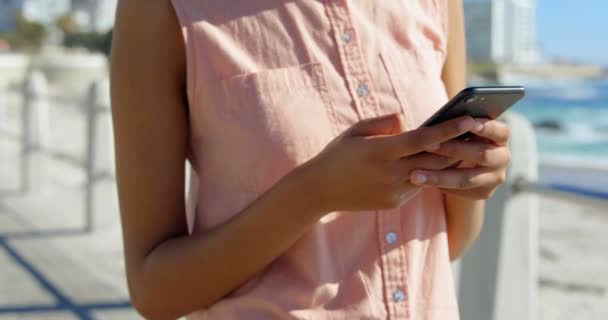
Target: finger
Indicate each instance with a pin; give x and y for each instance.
(392, 123)
(476, 194)
(478, 152)
(463, 179)
(428, 161)
(421, 139)
(493, 130)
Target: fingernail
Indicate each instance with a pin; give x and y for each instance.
(419, 178)
(466, 124)
(478, 126)
(433, 148)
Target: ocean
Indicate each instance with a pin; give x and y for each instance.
(571, 121)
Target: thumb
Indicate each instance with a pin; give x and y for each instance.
(392, 123)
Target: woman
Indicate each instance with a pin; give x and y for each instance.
(313, 195)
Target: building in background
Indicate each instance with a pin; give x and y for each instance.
(502, 31)
(94, 15)
(9, 9)
(44, 11)
(89, 15)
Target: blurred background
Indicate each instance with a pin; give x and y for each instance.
(60, 240)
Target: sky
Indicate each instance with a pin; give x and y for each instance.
(574, 30)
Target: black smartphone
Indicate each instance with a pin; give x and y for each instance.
(478, 102)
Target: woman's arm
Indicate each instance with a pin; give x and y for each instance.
(165, 266)
(464, 216)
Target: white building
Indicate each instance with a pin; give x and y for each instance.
(44, 11)
(94, 15)
(41, 11)
(90, 15)
(502, 31)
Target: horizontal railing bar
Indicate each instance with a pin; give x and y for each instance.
(564, 192)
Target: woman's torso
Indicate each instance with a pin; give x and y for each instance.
(270, 83)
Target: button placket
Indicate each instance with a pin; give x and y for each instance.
(353, 62)
(402, 308)
(361, 88)
(393, 263)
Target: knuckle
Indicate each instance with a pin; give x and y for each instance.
(447, 148)
(449, 130)
(417, 144)
(433, 180)
(445, 161)
(374, 152)
(465, 182)
(485, 155)
(490, 132)
(415, 140)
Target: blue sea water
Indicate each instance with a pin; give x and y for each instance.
(571, 120)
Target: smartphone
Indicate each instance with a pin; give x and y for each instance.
(478, 102)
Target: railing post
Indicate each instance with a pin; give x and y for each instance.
(36, 134)
(3, 104)
(99, 163)
(498, 277)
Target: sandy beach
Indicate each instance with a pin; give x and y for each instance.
(573, 249)
(573, 261)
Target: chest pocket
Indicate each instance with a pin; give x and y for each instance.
(278, 118)
(420, 91)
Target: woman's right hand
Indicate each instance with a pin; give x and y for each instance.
(367, 167)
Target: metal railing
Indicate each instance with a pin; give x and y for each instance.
(570, 193)
(35, 145)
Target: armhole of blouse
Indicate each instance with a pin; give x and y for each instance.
(444, 15)
(189, 47)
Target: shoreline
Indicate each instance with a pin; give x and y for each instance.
(599, 163)
(537, 73)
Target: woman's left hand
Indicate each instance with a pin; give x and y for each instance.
(485, 159)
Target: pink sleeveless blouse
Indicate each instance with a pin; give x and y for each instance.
(270, 83)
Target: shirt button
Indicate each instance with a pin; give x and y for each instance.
(398, 296)
(346, 37)
(363, 90)
(391, 237)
